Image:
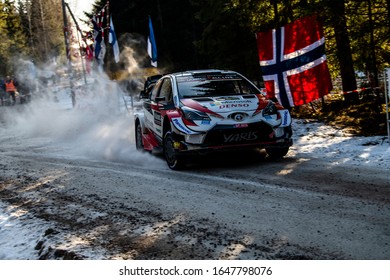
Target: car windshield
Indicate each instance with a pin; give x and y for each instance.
(211, 85)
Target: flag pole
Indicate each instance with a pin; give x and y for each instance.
(82, 36)
(67, 49)
(276, 14)
(107, 33)
(386, 78)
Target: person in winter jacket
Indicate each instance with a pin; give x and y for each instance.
(2, 94)
(10, 88)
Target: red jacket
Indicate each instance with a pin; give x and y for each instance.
(10, 86)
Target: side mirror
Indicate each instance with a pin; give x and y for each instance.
(160, 98)
(143, 95)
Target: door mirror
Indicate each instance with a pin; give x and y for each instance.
(143, 95)
(160, 98)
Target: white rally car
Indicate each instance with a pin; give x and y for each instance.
(206, 111)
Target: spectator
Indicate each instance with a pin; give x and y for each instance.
(10, 88)
(2, 94)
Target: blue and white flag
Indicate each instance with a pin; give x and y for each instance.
(97, 37)
(113, 41)
(152, 49)
(99, 46)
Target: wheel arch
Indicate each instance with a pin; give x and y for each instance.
(166, 124)
(138, 119)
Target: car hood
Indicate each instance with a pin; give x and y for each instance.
(231, 111)
(223, 105)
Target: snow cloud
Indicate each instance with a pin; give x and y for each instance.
(99, 125)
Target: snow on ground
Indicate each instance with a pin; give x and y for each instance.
(311, 139)
(316, 139)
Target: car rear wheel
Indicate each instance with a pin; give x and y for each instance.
(138, 138)
(277, 152)
(174, 161)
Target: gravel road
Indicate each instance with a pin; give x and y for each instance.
(112, 202)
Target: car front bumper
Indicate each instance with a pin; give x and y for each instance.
(259, 135)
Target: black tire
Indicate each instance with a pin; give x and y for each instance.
(277, 152)
(174, 161)
(138, 137)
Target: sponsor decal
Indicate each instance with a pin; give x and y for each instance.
(233, 100)
(213, 77)
(226, 98)
(240, 137)
(157, 118)
(229, 106)
(205, 122)
(241, 125)
(178, 123)
(222, 77)
(285, 117)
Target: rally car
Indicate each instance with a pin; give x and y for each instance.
(197, 112)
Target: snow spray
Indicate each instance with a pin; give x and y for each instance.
(99, 125)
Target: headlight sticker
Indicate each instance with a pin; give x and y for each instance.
(178, 123)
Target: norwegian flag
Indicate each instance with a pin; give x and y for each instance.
(293, 62)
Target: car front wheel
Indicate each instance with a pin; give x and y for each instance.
(174, 161)
(277, 152)
(138, 138)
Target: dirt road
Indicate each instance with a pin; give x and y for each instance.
(116, 203)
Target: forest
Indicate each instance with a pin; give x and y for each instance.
(194, 34)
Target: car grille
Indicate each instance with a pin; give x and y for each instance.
(228, 135)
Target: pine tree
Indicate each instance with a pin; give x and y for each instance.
(13, 44)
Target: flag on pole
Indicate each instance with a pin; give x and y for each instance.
(103, 43)
(97, 37)
(152, 49)
(113, 41)
(88, 58)
(293, 62)
(99, 46)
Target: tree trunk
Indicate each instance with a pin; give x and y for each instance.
(344, 54)
(388, 11)
(372, 62)
(274, 3)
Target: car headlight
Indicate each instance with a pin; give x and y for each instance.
(195, 115)
(270, 109)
